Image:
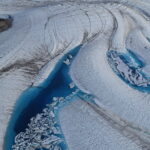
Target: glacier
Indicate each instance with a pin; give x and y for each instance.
(101, 101)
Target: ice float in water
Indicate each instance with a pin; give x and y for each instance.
(114, 37)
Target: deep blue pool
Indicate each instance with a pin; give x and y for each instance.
(35, 99)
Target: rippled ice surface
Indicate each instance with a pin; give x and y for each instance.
(97, 99)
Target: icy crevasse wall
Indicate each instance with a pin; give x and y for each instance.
(109, 31)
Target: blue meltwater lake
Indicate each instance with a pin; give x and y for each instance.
(129, 67)
(34, 123)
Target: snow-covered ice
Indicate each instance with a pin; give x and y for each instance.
(85, 129)
(43, 31)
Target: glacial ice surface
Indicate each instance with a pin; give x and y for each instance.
(111, 71)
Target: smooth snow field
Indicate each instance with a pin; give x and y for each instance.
(74, 75)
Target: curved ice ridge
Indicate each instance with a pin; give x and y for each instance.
(33, 47)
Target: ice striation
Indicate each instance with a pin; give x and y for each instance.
(111, 73)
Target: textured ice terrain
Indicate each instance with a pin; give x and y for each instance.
(96, 98)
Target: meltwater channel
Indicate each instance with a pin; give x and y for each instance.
(34, 123)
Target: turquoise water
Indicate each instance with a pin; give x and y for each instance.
(134, 64)
(35, 99)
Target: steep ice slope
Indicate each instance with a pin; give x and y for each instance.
(40, 36)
